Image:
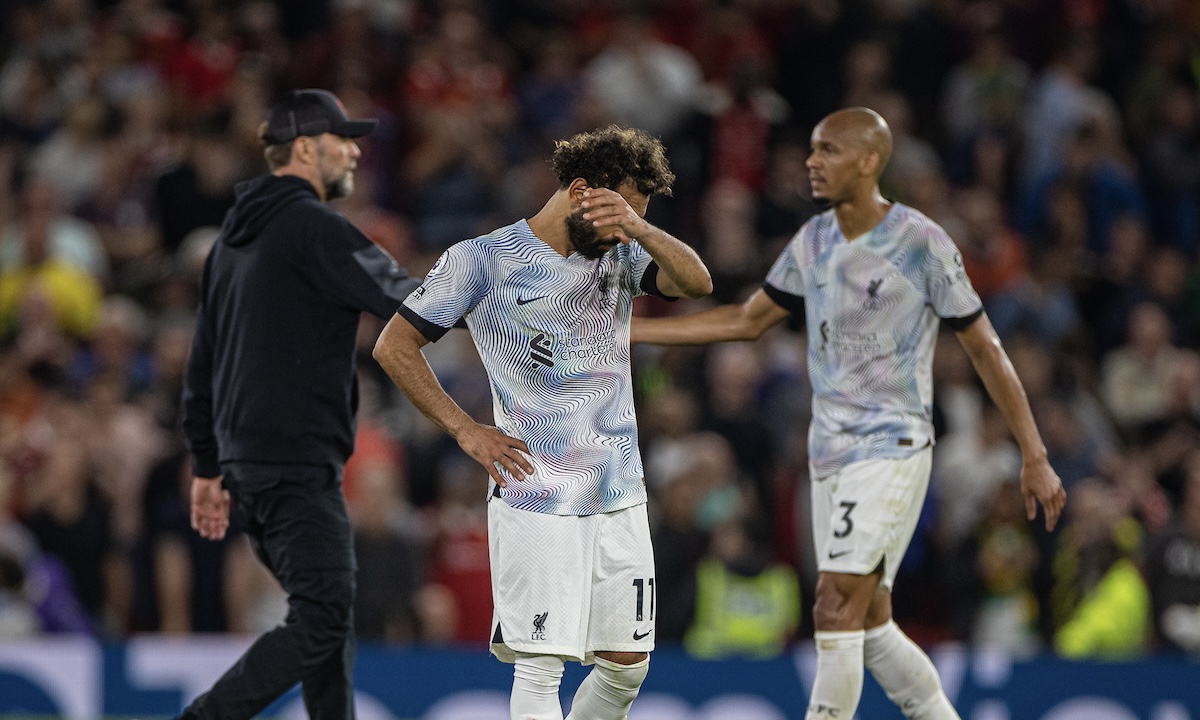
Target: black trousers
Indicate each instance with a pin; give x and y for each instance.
(296, 519)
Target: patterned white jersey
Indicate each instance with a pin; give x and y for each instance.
(553, 333)
(872, 308)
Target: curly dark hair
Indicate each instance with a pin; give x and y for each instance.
(607, 157)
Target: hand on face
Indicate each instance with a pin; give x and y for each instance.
(612, 216)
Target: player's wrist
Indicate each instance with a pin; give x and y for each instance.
(1035, 456)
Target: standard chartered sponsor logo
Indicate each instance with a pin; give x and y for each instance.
(852, 342)
(583, 348)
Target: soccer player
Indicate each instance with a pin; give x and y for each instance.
(873, 279)
(548, 304)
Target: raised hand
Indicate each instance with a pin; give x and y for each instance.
(612, 215)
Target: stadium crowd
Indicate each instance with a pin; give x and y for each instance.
(1058, 141)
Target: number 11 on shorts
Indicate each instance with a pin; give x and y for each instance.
(640, 584)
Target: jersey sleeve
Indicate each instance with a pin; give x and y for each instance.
(785, 281)
(644, 272)
(946, 283)
(454, 286)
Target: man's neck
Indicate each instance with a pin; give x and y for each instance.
(549, 225)
(859, 215)
(304, 172)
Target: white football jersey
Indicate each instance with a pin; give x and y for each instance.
(872, 308)
(553, 333)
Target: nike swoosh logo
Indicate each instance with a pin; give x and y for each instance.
(639, 637)
(821, 285)
(526, 301)
(835, 556)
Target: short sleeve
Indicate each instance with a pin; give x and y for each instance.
(785, 281)
(946, 283)
(643, 270)
(454, 286)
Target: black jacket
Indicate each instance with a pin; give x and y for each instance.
(271, 376)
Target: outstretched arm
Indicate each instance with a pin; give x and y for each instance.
(398, 351)
(1039, 482)
(746, 321)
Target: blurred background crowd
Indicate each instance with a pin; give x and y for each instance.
(1058, 141)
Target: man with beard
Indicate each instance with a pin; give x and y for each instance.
(270, 396)
(548, 302)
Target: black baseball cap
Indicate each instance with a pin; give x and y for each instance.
(312, 112)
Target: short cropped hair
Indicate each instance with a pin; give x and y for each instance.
(608, 157)
(277, 155)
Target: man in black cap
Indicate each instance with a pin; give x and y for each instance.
(270, 398)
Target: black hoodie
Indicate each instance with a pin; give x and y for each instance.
(271, 376)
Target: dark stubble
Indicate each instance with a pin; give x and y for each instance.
(584, 237)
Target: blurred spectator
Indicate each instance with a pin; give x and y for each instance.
(201, 70)
(45, 230)
(1005, 557)
(1059, 102)
(745, 604)
(461, 104)
(985, 93)
(1115, 286)
(971, 466)
(199, 191)
(1106, 187)
(72, 159)
(18, 618)
(1101, 603)
(1075, 454)
(1165, 65)
(352, 38)
(45, 273)
(867, 68)
(1173, 572)
(785, 203)
(682, 485)
(1041, 304)
(993, 254)
(71, 518)
(458, 557)
(1172, 168)
(643, 82)
(1139, 376)
(911, 155)
(387, 552)
(744, 111)
(735, 379)
(552, 95)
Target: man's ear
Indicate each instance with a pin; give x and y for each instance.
(869, 165)
(576, 189)
(304, 149)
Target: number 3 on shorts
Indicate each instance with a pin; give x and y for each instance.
(849, 524)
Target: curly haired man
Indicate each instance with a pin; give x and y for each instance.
(548, 302)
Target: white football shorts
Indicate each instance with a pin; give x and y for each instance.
(570, 586)
(864, 515)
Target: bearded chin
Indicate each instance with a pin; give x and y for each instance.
(584, 238)
(340, 188)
